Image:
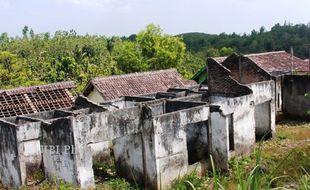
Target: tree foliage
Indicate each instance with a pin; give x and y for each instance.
(42, 58)
(65, 55)
(280, 37)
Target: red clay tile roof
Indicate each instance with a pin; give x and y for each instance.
(26, 100)
(137, 83)
(277, 61)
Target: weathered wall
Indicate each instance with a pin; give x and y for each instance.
(171, 139)
(265, 111)
(220, 81)
(127, 101)
(244, 70)
(219, 138)
(239, 113)
(262, 120)
(27, 139)
(278, 92)
(83, 132)
(10, 173)
(95, 96)
(195, 98)
(128, 154)
(232, 124)
(148, 146)
(57, 146)
(29, 149)
(295, 104)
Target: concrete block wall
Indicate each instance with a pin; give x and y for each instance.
(20, 150)
(171, 138)
(149, 145)
(153, 141)
(265, 109)
(295, 103)
(10, 171)
(232, 128)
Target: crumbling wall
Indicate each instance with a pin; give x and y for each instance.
(265, 110)
(127, 101)
(219, 137)
(29, 149)
(10, 173)
(278, 92)
(244, 70)
(232, 124)
(171, 139)
(263, 120)
(295, 103)
(221, 83)
(149, 144)
(239, 113)
(27, 139)
(58, 148)
(82, 132)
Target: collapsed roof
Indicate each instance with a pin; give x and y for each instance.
(26, 100)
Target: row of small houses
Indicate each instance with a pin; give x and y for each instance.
(159, 125)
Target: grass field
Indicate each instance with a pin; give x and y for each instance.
(280, 163)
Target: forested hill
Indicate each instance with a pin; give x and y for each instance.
(280, 37)
(44, 58)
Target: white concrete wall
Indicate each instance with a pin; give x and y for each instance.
(95, 96)
(10, 173)
(242, 109)
(262, 91)
(29, 149)
(262, 119)
(219, 134)
(171, 144)
(128, 154)
(265, 112)
(60, 162)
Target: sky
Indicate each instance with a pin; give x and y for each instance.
(126, 17)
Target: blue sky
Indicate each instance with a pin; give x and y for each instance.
(125, 17)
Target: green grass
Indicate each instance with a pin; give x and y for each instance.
(281, 162)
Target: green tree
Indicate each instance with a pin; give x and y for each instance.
(25, 31)
(224, 51)
(128, 56)
(13, 71)
(213, 52)
(160, 51)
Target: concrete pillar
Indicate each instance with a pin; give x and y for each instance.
(219, 130)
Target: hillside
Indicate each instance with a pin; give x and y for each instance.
(280, 37)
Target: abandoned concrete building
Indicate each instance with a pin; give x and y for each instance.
(26, 100)
(109, 88)
(158, 130)
(20, 142)
(295, 103)
(276, 64)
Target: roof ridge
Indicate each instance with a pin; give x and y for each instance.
(135, 74)
(67, 84)
(265, 53)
